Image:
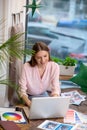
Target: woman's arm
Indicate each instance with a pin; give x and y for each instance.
(23, 88)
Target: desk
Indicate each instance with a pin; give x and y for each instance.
(34, 123)
(24, 126)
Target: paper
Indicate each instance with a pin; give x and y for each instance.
(76, 97)
(80, 127)
(83, 117)
(9, 114)
(52, 125)
(71, 117)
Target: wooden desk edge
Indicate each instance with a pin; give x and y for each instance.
(65, 77)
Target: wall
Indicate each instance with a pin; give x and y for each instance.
(7, 8)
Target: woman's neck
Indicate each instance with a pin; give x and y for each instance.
(41, 70)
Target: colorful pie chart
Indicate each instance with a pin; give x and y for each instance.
(11, 116)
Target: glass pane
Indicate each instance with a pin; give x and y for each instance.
(62, 25)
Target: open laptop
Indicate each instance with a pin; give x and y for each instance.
(48, 107)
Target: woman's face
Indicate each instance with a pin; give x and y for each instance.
(42, 57)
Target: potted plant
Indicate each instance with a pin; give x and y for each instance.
(67, 65)
(13, 48)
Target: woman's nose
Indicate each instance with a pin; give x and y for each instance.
(43, 60)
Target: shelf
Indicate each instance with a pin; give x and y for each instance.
(65, 77)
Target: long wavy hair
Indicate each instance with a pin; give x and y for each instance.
(38, 46)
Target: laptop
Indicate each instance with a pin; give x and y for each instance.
(48, 107)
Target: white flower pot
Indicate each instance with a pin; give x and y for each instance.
(67, 70)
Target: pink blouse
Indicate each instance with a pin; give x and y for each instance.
(31, 83)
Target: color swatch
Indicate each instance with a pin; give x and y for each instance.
(12, 116)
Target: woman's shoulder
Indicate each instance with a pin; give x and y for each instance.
(53, 66)
(53, 63)
(26, 64)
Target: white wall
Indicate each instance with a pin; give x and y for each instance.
(7, 7)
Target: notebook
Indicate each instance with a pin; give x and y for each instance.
(9, 125)
(49, 107)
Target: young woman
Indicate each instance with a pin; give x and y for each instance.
(39, 74)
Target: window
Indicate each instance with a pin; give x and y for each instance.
(62, 25)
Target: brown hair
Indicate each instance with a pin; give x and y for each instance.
(38, 46)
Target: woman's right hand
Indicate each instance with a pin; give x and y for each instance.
(26, 100)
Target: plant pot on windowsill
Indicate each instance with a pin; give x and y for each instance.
(67, 70)
(67, 65)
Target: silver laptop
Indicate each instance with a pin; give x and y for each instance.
(48, 107)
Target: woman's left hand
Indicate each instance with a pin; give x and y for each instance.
(55, 95)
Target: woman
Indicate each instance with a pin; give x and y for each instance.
(39, 74)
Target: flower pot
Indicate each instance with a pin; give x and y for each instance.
(67, 70)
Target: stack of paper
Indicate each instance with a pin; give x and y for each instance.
(72, 117)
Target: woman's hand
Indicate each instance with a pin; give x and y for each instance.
(26, 100)
(55, 95)
(29, 103)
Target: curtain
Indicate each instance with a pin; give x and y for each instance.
(15, 64)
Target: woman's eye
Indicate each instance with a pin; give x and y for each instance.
(45, 56)
(38, 58)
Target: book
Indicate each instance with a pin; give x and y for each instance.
(9, 125)
(52, 125)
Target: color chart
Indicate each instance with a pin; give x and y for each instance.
(13, 116)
